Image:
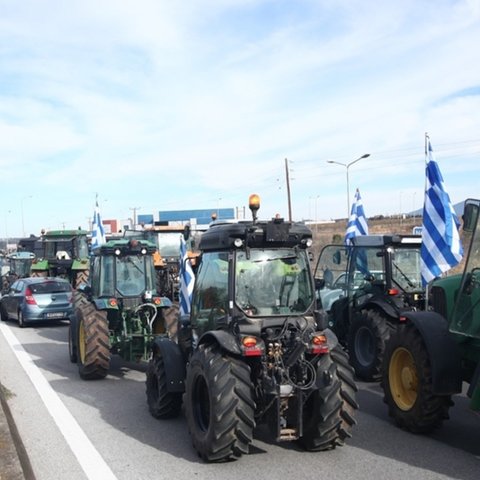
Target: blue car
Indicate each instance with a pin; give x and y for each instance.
(37, 299)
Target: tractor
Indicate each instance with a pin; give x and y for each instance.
(119, 311)
(433, 352)
(167, 257)
(365, 288)
(64, 253)
(254, 349)
(19, 265)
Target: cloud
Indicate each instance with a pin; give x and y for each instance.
(182, 103)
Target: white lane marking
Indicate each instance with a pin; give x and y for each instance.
(88, 457)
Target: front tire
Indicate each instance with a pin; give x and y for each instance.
(407, 383)
(3, 313)
(21, 319)
(161, 403)
(72, 344)
(329, 413)
(366, 340)
(218, 404)
(93, 352)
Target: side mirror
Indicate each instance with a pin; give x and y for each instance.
(319, 283)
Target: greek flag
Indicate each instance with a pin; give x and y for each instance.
(441, 246)
(357, 224)
(98, 232)
(187, 279)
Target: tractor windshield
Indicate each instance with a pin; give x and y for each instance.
(406, 269)
(133, 277)
(272, 282)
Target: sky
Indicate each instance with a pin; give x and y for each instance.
(154, 105)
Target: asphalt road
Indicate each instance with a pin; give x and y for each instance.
(102, 429)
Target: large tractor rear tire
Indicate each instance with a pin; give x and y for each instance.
(407, 383)
(329, 413)
(161, 403)
(93, 352)
(218, 405)
(366, 340)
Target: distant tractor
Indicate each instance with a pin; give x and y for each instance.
(18, 265)
(366, 288)
(254, 349)
(167, 256)
(119, 311)
(64, 253)
(433, 352)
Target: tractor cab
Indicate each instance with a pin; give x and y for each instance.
(464, 317)
(123, 269)
(252, 274)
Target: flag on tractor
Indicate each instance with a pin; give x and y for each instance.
(98, 231)
(357, 224)
(441, 246)
(187, 278)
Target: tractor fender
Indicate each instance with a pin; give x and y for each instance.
(226, 341)
(104, 304)
(442, 350)
(382, 305)
(174, 362)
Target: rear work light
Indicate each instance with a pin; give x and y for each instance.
(393, 291)
(29, 297)
(252, 346)
(319, 344)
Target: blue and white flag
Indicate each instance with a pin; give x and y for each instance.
(441, 246)
(187, 279)
(357, 224)
(98, 231)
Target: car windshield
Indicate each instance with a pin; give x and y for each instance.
(272, 282)
(50, 287)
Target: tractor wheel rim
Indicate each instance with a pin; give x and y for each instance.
(403, 379)
(81, 341)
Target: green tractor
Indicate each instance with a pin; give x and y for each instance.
(433, 352)
(19, 265)
(119, 311)
(64, 253)
(254, 349)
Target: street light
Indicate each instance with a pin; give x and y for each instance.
(347, 166)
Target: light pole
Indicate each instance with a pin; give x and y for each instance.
(21, 208)
(347, 166)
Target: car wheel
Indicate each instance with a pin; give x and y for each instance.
(3, 313)
(21, 320)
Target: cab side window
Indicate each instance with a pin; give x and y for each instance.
(211, 289)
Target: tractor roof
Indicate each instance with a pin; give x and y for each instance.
(387, 240)
(65, 233)
(126, 247)
(262, 234)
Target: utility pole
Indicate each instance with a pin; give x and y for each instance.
(134, 209)
(287, 176)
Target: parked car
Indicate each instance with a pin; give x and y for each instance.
(37, 299)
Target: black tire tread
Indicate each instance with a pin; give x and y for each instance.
(377, 322)
(96, 363)
(162, 404)
(230, 431)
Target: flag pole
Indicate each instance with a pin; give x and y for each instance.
(424, 201)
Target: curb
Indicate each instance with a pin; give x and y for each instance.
(14, 461)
